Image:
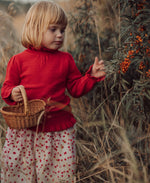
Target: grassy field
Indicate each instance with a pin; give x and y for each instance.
(110, 149)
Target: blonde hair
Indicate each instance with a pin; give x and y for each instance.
(38, 19)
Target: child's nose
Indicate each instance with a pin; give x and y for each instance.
(59, 33)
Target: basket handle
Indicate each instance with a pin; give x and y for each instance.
(25, 100)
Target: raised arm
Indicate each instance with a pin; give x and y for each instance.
(79, 85)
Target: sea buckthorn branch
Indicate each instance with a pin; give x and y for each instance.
(137, 47)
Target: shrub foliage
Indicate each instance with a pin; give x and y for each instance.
(117, 31)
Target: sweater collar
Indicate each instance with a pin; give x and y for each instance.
(43, 49)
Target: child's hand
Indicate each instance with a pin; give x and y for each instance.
(98, 69)
(16, 94)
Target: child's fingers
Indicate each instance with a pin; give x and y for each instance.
(101, 62)
(101, 66)
(18, 99)
(96, 61)
(97, 64)
(16, 94)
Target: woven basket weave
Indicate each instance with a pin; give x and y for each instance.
(24, 115)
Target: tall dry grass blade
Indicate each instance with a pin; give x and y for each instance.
(129, 154)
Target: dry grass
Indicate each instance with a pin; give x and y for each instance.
(107, 152)
(9, 42)
(9, 45)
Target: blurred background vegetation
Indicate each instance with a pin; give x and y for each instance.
(113, 120)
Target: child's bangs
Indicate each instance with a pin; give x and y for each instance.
(57, 16)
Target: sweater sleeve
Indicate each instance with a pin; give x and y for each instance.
(11, 80)
(77, 84)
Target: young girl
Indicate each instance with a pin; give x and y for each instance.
(45, 72)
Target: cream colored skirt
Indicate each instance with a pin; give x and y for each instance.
(31, 157)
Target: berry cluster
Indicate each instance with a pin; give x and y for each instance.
(137, 46)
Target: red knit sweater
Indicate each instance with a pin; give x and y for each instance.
(46, 74)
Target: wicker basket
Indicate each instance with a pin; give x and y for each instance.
(24, 115)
